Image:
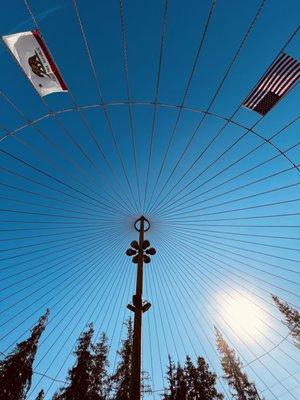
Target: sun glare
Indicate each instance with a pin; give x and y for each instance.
(244, 317)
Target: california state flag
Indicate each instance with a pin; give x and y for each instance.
(32, 54)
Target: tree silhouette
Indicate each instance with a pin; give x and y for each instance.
(191, 377)
(122, 377)
(41, 395)
(16, 368)
(181, 384)
(100, 380)
(79, 376)
(292, 318)
(170, 393)
(237, 380)
(193, 382)
(202, 381)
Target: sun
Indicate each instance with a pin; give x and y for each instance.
(244, 316)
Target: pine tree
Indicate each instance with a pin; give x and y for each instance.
(41, 395)
(237, 380)
(200, 381)
(177, 389)
(100, 386)
(204, 384)
(191, 382)
(16, 368)
(79, 376)
(181, 384)
(191, 377)
(292, 318)
(170, 392)
(122, 378)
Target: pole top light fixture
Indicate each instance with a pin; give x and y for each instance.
(134, 244)
(130, 252)
(140, 251)
(137, 224)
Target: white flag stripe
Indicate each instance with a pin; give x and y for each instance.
(272, 78)
(286, 86)
(31, 53)
(283, 76)
(264, 81)
(277, 79)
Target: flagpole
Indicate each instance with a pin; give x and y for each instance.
(140, 251)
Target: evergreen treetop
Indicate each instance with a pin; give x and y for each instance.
(79, 376)
(205, 382)
(292, 318)
(237, 380)
(192, 382)
(121, 379)
(16, 368)
(100, 380)
(41, 395)
(171, 378)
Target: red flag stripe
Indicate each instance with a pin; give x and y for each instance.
(284, 77)
(265, 78)
(278, 80)
(52, 64)
(286, 86)
(276, 77)
(270, 80)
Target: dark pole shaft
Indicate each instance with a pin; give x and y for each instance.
(135, 392)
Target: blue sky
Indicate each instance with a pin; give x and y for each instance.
(224, 210)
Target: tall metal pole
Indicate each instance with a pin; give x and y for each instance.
(137, 330)
(138, 306)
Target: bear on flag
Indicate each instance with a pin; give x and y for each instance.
(33, 56)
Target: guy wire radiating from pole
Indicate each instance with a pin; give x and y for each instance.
(140, 252)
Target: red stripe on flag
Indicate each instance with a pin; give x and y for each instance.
(50, 60)
(264, 85)
(289, 83)
(263, 81)
(276, 82)
(283, 75)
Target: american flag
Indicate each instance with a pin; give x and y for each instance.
(277, 81)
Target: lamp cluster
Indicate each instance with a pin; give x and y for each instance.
(134, 251)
